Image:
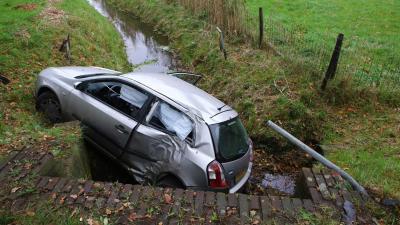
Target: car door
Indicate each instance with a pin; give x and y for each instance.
(159, 144)
(109, 111)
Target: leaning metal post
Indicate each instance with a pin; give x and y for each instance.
(318, 157)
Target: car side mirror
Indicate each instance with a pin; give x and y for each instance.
(80, 86)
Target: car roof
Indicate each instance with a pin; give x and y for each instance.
(185, 94)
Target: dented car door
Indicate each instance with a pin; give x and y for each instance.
(159, 143)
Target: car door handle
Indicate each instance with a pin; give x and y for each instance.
(121, 129)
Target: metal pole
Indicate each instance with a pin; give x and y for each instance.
(317, 156)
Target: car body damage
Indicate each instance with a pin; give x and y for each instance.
(154, 125)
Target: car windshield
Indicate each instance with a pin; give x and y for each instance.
(230, 139)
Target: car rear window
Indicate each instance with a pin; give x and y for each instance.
(230, 139)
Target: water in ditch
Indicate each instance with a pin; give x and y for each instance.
(146, 50)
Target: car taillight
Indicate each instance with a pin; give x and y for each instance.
(216, 178)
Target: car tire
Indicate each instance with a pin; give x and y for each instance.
(170, 182)
(48, 104)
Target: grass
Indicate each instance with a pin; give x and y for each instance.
(29, 42)
(356, 19)
(368, 147)
(307, 30)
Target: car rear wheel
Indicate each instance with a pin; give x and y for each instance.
(170, 181)
(48, 103)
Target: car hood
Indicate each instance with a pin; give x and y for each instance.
(76, 71)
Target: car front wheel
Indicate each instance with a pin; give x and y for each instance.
(48, 103)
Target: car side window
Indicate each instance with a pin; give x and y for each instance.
(170, 120)
(122, 97)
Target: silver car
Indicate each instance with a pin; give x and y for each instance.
(162, 129)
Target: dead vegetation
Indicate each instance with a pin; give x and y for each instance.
(26, 7)
(51, 14)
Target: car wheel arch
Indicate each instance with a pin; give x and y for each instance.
(172, 176)
(44, 89)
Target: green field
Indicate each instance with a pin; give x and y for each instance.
(369, 24)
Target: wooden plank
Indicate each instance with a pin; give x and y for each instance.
(322, 187)
(287, 205)
(254, 202)
(309, 177)
(135, 194)
(210, 199)
(10, 158)
(52, 183)
(232, 200)
(221, 204)
(336, 197)
(297, 204)
(199, 202)
(329, 180)
(60, 184)
(266, 208)
(308, 205)
(243, 208)
(276, 204)
(316, 196)
(42, 183)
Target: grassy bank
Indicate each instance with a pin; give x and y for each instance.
(262, 86)
(31, 31)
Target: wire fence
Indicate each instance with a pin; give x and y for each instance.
(295, 42)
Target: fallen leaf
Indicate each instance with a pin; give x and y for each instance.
(30, 213)
(108, 211)
(91, 221)
(62, 200)
(15, 189)
(74, 196)
(132, 217)
(167, 198)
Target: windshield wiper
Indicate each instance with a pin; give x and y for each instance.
(219, 109)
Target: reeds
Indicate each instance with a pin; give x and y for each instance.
(229, 15)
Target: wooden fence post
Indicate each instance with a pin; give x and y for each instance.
(261, 18)
(221, 43)
(331, 71)
(66, 47)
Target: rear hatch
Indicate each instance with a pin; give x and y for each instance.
(232, 148)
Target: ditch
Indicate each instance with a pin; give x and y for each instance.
(275, 172)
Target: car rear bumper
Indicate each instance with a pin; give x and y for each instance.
(243, 181)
